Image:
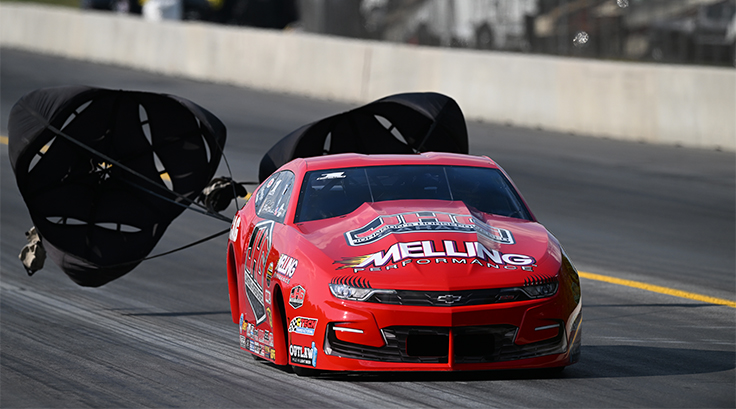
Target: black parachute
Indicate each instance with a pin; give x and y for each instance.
(401, 123)
(104, 172)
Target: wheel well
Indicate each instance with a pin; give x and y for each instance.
(232, 284)
(283, 340)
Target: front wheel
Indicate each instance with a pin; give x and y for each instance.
(555, 372)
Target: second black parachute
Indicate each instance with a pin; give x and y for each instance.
(401, 123)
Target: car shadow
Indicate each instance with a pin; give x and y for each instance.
(607, 361)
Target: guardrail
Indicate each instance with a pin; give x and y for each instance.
(678, 105)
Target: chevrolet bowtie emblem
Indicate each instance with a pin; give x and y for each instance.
(449, 298)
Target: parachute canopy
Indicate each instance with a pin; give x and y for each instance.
(104, 172)
(402, 123)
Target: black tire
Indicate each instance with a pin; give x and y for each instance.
(552, 372)
(305, 372)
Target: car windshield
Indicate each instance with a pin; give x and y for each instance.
(336, 192)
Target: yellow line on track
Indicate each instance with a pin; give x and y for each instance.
(607, 279)
(658, 289)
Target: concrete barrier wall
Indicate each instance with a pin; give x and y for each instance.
(689, 106)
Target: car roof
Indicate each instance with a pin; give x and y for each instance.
(349, 160)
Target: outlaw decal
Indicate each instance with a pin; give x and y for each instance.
(303, 355)
(303, 325)
(424, 251)
(256, 255)
(413, 222)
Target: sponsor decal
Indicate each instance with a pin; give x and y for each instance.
(333, 175)
(426, 252)
(270, 317)
(234, 228)
(250, 331)
(268, 298)
(282, 209)
(286, 267)
(243, 324)
(303, 325)
(256, 255)
(303, 355)
(262, 336)
(257, 341)
(269, 275)
(296, 297)
(413, 222)
(259, 348)
(275, 187)
(270, 204)
(260, 194)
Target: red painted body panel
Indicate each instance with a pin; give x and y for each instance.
(279, 275)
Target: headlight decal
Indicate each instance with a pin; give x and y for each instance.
(357, 282)
(534, 288)
(540, 287)
(350, 288)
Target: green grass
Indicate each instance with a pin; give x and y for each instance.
(64, 3)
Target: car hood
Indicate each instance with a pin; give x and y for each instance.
(432, 244)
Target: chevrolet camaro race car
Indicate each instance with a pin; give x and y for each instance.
(373, 242)
(412, 262)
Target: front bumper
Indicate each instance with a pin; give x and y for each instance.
(369, 337)
(459, 345)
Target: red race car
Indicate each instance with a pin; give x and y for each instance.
(414, 262)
